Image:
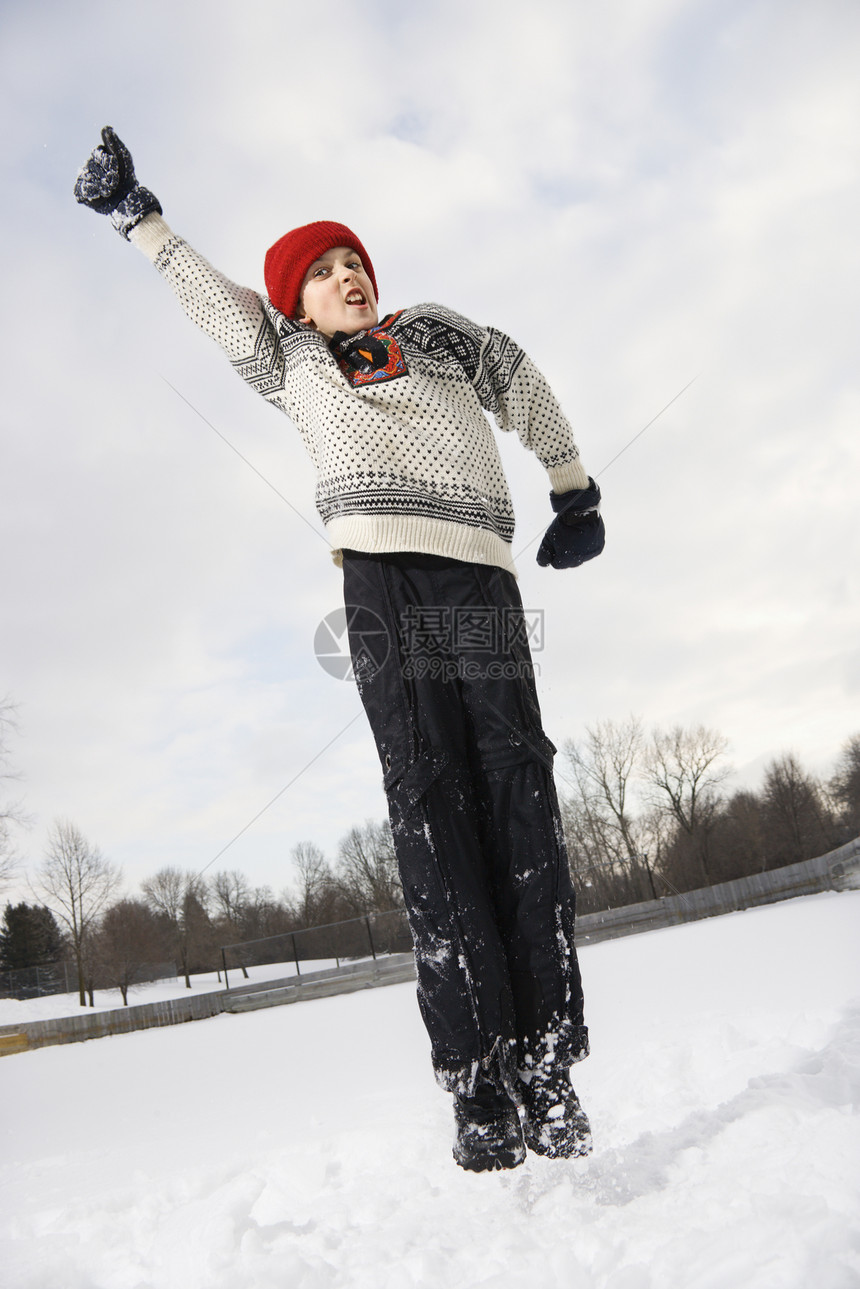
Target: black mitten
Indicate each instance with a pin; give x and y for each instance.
(107, 184)
(578, 533)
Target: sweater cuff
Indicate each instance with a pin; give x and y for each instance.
(564, 478)
(151, 235)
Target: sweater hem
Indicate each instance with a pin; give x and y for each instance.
(390, 534)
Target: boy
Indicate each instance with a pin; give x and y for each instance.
(416, 506)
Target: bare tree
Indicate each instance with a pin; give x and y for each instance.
(181, 900)
(598, 881)
(231, 893)
(129, 940)
(741, 836)
(844, 786)
(266, 915)
(605, 765)
(683, 776)
(797, 821)
(367, 871)
(655, 830)
(312, 897)
(77, 883)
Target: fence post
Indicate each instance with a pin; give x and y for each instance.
(295, 953)
(224, 961)
(370, 938)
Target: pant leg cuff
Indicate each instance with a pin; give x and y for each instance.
(498, 1068)
(563, 1044)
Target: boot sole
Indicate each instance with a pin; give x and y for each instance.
(491, 1163)
(577, 1146)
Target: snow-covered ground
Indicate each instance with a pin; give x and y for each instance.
(17, 1011)
(307, 1147)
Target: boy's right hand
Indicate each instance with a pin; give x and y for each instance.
(107, 184)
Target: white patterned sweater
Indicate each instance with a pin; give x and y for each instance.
(393, 418)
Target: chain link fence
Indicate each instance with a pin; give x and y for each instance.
(62, 978)
(35, 982)
(372, 936)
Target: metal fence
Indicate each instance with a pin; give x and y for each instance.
(371, 936)
(35, 982)
(384, 933)
(839, 870)
(62, 978)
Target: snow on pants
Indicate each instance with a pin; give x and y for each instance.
(443, 667)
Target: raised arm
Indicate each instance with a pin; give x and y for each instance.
(234, 316)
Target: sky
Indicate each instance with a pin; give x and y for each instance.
(644, 193)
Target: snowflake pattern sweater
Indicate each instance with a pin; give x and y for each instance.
(392, 418)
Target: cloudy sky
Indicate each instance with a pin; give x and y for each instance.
(642, 192)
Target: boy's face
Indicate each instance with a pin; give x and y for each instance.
(337, 294)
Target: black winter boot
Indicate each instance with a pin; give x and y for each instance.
(555, 1123)
(488, 1131)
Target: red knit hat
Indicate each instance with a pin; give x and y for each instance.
(289, 259)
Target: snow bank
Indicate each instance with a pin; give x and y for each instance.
(307, 1147)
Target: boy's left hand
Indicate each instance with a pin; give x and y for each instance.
(578, 534)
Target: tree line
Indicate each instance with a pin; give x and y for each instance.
(183, 917)
(648, 814)
(645, 814)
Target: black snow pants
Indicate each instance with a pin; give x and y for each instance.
(443, 667)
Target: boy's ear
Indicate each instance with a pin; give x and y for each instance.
(301, 315)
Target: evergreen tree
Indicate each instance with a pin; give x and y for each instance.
(29, 937)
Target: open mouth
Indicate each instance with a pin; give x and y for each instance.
(355, 297)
